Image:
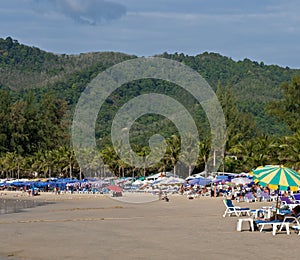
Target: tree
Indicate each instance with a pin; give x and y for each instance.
(256, 152)
(288, 108)
(237, 122)
(204, 148)
(67, 159)
(5, 112)
(173, 150)
(290, 152)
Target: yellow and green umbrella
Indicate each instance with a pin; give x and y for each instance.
(277, 177)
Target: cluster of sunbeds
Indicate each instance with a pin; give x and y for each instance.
(281, 219)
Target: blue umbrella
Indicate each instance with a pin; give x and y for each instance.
(198, 181)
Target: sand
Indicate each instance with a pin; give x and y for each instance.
(98, 227)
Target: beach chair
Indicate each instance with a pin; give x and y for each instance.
(297, 227)
(294, 222)
(249, 197)
(265, 196)
(296, 198)
(278, 225)
(234, 210)
(285, 201)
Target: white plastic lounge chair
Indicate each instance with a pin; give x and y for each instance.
(278, 225)
(293, 222)
(297, 228)
(237, 211)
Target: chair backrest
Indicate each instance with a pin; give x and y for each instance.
(296, 196)
(228, 203)
(249, 195)
(286, 200)
(265, 195)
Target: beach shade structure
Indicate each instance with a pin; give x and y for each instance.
(114, 188)
(172, 181)
(241, 180)
(277, 177)
(198, 181)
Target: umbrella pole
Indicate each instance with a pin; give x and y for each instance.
(277, 202)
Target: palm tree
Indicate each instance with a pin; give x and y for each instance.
(67, 159)
(245, 152)
(255, 152)
(9, 164)
(143, 153)
(110, 158)
(203, 156)
(291, 150)
(190, 154)
(173, 150)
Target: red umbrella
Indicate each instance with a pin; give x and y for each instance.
(115, 188)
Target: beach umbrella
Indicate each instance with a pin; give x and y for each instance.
(277, 177)
(241, 180)
(198, 181)
(172, 181)
(114, 188)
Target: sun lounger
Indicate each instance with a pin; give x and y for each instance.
(285, 201)
(296, 198)
(234, 210)
(265, 196)
(278, 225)
(297, 229)
(249, 197)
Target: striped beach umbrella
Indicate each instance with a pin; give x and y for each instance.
(277, 177)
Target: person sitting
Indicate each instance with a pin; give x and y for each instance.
(280, 217)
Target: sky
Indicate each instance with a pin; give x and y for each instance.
(260, 30)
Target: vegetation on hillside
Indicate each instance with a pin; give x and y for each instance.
(39, 92)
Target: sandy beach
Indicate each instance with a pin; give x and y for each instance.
(98, 227)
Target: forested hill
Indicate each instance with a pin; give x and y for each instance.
(23, 67)
(250, 80)
(254, 84)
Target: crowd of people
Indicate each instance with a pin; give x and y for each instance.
(239, 192)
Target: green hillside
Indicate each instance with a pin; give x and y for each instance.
(23, 67)
(39, 92)
(253, 84)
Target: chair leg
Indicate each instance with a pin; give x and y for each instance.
(274, 229)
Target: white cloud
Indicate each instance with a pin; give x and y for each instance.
(91, 12)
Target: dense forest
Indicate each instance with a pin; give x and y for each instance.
(40, 90)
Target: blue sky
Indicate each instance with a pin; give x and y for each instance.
(261, 30)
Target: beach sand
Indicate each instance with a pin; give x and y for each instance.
(98, 227)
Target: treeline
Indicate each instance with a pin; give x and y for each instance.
(35, 138)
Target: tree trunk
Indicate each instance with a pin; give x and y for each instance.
(80, 174)
(190, 170)
(71, 173)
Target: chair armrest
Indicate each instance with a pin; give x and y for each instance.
(289, 219)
